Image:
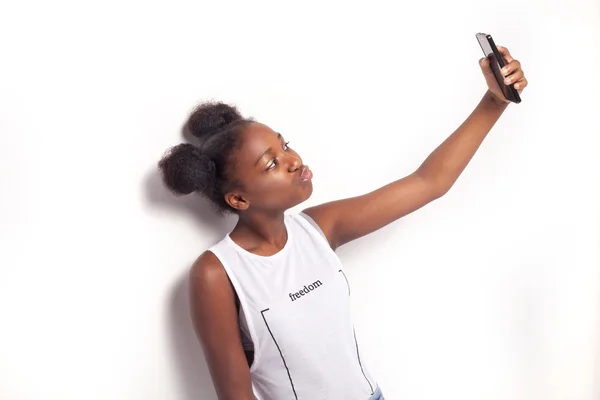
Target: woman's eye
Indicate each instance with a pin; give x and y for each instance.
(272, 164)
(275, 161)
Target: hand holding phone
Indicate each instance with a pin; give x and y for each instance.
(496, 64)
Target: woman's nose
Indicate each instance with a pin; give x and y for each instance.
(294, 163)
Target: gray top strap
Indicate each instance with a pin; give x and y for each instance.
(313, 223)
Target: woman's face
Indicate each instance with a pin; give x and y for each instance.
(272, 175)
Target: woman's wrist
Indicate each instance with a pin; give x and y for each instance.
(495, 100)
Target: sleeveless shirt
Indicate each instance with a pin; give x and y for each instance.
(295, 316)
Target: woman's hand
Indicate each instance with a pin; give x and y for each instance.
(512, 72)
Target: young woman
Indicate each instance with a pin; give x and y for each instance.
(270, 301)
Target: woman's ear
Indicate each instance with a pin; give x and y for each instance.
(237, 201)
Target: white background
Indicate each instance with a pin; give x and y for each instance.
(491, 292)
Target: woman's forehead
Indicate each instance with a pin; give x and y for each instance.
(257, 138)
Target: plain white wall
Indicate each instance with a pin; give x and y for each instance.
(491, 292)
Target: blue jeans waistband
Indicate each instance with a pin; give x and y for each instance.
(377, 395)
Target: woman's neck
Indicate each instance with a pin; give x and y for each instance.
(260, 232)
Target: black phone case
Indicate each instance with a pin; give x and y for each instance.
(508, 90)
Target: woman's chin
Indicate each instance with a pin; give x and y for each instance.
(305, 194)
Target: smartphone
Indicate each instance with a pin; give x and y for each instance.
(496, 63)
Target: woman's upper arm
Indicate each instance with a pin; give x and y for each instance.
(215, 319)
(345, 220)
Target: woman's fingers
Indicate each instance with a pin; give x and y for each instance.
(515, 77)
(521, 84)
(511, 67)
(512, 72)
(505, 54)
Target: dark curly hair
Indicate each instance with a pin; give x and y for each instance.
(206, 169)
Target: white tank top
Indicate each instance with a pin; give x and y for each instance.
(295, 315)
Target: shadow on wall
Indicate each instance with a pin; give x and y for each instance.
(194, 375)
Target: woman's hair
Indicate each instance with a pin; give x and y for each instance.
(206, 169)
